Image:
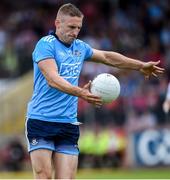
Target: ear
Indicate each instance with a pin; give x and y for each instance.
(57, 23)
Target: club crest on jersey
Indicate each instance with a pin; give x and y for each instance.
(77, 53)
(34, 142)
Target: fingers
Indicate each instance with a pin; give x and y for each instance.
(89, 97)
(159, 68)
(96, 104)
(157, 62)
(151, 69)
(95, 100)
(87, 86)
(154, 74)
(154, 64)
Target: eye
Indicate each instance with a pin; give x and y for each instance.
(72, 27)
(75, 27)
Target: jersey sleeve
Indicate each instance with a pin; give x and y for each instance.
(43, 50)
(89, 51)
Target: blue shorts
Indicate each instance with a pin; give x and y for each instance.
(57, 137)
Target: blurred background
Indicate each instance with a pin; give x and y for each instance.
(133, 131)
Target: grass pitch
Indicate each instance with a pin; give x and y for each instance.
(153, 173)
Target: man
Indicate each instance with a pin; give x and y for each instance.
(52, 126)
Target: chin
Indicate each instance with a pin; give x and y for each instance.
(69, 42)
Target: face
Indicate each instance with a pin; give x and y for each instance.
(68, 28)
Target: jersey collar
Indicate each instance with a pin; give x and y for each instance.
(65, 44)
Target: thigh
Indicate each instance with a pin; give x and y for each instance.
(65, 165)
(41, 160)
(66, 153)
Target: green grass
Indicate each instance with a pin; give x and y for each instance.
(154, 173)
(125, 174)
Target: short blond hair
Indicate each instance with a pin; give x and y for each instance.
(69, 9)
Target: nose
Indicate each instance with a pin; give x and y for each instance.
(76, 32)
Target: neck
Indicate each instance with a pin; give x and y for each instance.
(56, 34)
(59, 36)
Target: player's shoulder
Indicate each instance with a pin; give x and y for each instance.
(48, 39)
(45, 42)
(81, 43)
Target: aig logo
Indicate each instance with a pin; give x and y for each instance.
(70, 70)
(153, 147)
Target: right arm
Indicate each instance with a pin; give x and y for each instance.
(49, 69)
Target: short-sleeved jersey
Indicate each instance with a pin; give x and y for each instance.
(48, 103)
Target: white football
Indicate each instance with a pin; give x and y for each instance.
(106, 86)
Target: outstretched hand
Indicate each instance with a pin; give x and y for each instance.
(151, 69)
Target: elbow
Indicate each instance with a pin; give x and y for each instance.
(51, 83)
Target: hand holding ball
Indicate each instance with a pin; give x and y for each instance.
(106, 86)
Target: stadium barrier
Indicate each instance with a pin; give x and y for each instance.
(149, 148)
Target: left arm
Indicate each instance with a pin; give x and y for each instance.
(118, 60)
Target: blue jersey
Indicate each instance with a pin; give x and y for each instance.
(50, 104)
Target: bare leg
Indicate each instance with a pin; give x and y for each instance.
(41, 160)
(65, 166)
